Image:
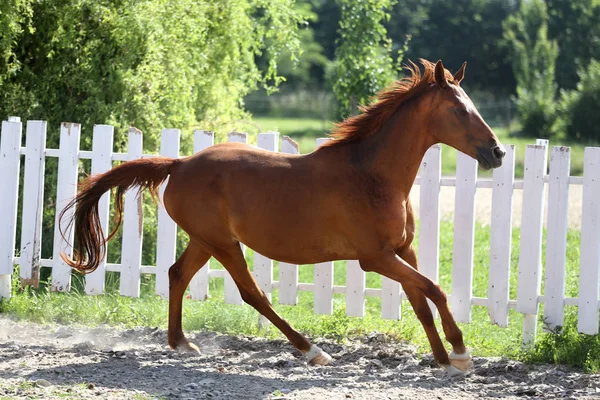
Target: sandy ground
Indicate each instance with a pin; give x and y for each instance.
(53, 362)
(483, 204)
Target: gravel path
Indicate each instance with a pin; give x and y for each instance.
(53, 362)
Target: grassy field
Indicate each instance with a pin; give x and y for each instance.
(484, 338)
(305, 131)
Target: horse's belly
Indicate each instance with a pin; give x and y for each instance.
(299, 242)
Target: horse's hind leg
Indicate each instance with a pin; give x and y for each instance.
(180, 274)
(233, 260)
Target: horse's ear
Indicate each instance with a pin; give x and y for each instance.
(440, 74)
(460, 74)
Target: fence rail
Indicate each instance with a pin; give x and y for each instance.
(503, 184)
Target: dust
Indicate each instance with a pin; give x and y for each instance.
(53, 362)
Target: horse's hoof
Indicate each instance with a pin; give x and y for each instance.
(461, 362)
(316, 356)
(186, 347)
(453, 372)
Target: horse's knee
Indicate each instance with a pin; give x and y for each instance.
(253, 298)
(175, 274)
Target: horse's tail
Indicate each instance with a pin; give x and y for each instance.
(90, 246)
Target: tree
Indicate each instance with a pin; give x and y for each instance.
(140, 62)
(533, 63)
(363, 60)
(468, 30)
(575, 25)
(579, 107)
(151, 64)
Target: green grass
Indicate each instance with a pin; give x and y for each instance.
(305, 132)
(483, 338)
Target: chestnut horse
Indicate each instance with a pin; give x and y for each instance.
(349, 199)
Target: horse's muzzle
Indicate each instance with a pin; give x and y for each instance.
(491, 157)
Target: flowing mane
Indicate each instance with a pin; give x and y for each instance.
(373, 116)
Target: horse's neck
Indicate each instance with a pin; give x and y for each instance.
(396, 151)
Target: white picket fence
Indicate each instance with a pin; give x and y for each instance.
(503, 184)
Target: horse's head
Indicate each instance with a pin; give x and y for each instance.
(455, 121)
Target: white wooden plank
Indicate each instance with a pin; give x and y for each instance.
(501, 239)
(589, 270)
(33, 199)
(66, 190)
(10, 144)
(232, 293)
(166, 242)
(288, 273)
(390, 298)
(464, 237)
(556, 239)
(199, 283)
(238, 137)
(530, 259)
(429, 225)
(288, 283)
(102, 146)
(133, 227)
(323, 295)
(355, 292)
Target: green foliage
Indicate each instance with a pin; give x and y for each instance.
(533, 62)
(575, 25)
(15, 18)
(579, 108)
(565, 345)
(305, 68)
(467, 30)
(363, 60)
(140, 62)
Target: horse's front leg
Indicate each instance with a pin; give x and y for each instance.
(418, 287)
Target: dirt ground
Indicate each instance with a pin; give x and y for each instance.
(483, 204)
(52, 362)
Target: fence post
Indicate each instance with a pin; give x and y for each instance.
(166, 238)
(66, 189)
(556, 242)
(232, 293)
(390, 298)
(355, 289)
(199, 283)
(530, 259)
(102, 148)
(429, 228)
(464, 237)
(10, 161)
(33, 199)
(589, 272)
(133, 227)
(263, 266)
(501, 238)
(288, 273)
(323, 294)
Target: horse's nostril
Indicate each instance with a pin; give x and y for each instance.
(499, 152)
